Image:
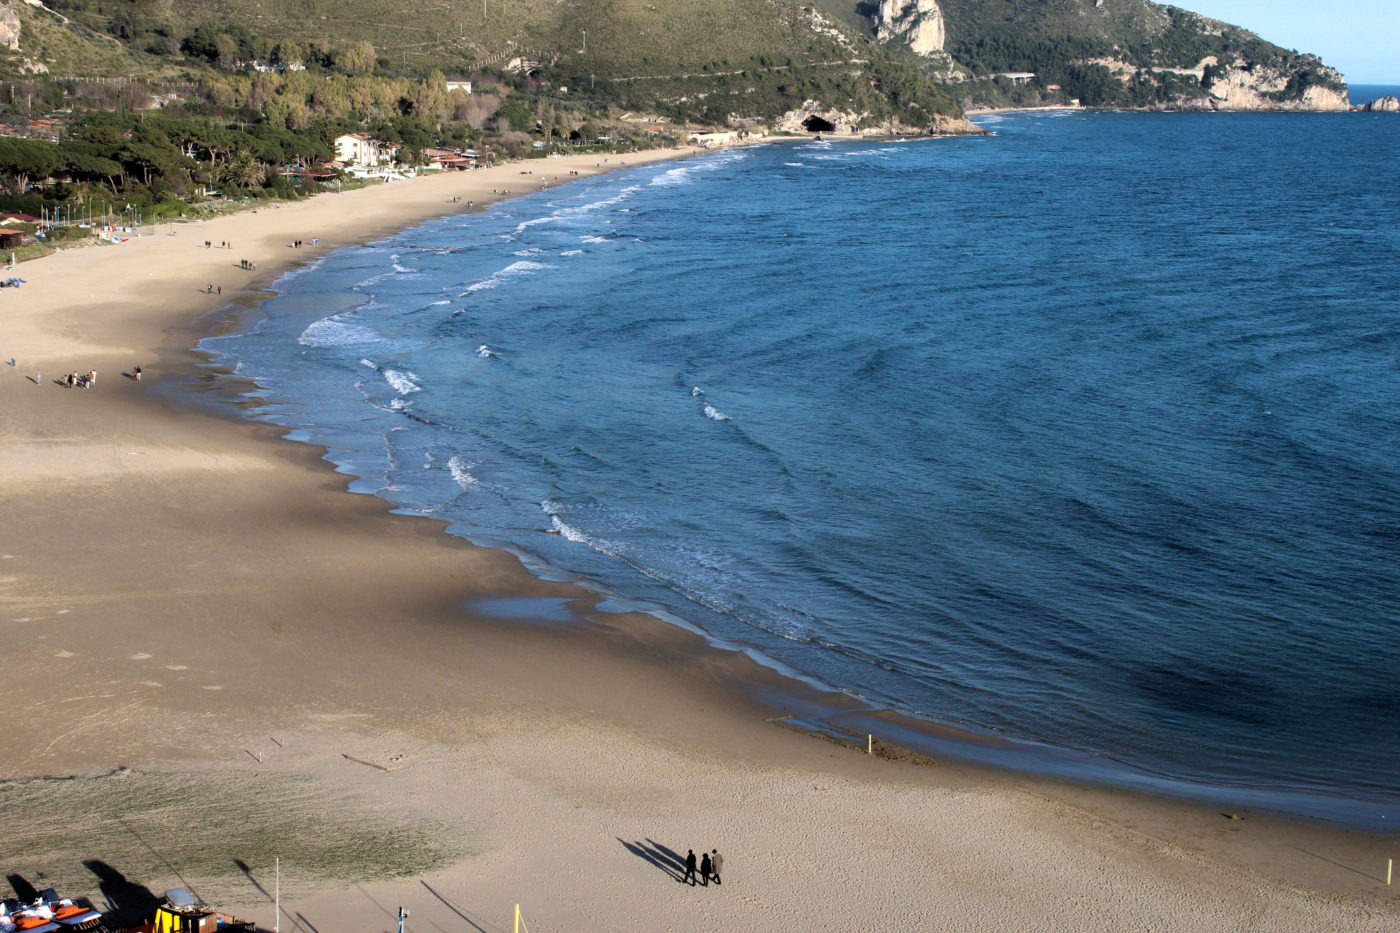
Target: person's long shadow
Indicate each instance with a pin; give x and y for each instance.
(453, 907)
(128, 902)
(243, 867)
(25, 891)
(660, 856)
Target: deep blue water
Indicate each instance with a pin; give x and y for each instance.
(1087, 432)
(1365, 93)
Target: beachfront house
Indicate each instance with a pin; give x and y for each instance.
(363, 149)
(448, 160)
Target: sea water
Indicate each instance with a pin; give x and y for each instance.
(1084, 433)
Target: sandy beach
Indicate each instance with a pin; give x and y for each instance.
(216, 657)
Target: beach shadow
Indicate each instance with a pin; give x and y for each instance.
(303, 922)
(25, 891)
(128, 903)
(243, 867)
(163, 860)
(454, 908)
(1355, 871)
(657, 855)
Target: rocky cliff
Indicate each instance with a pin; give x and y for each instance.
(813, 117)
(1264, 88)
(9, 26)
(1382, 105)
(917, 22)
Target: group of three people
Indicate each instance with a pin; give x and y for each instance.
(710, 864)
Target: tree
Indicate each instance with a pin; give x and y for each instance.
(28, 159)
(242, 170)
(358, 59)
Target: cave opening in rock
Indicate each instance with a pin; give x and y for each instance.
(815, 124)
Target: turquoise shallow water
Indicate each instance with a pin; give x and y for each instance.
(1084, 433)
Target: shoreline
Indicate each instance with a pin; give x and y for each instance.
(257, 575)
(844, 716)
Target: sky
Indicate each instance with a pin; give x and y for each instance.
(1360, 38)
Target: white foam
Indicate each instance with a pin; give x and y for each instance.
(403, 383)
(484, 352)
(527, 224)
(365, 362)
(696, 391)
(514, 270)
(714, 414)
(458, 468)
(330, 332)
(573, 252)
(591, 238)
(681, 175)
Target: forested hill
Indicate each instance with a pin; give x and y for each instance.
(716, 61)
(1122, 53)
(160, 104)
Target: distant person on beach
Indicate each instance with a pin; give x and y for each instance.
(716, 864)
(689, 867)
(136, 373)
(705, 869)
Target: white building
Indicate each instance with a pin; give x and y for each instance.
(363, 149)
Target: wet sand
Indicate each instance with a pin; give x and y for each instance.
(292, 672)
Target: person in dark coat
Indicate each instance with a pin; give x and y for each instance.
(689, 867)
(705, 869)
(716, 864)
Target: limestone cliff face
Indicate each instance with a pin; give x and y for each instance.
(918, 22)
(1382, 105)
(9, 26)
(1250, 89)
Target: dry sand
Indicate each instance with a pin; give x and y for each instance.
(190, 597)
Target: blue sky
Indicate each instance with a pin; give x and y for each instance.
(1361, 38)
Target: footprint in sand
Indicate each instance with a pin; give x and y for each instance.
(177, 667)
(151, 683)
(140, 656)
(212, 687)
(64, 654)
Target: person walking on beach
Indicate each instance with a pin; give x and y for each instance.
(705, 869)
(689, 867)
(716, 864)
